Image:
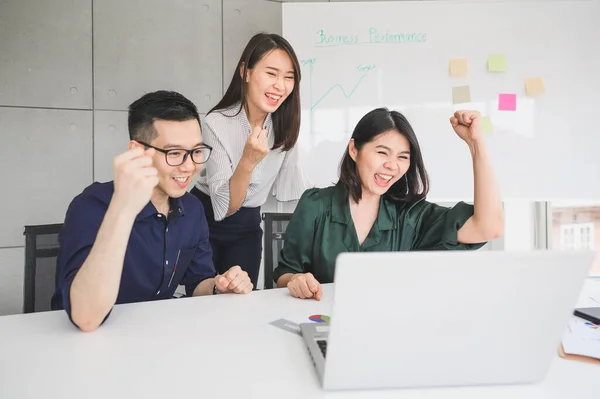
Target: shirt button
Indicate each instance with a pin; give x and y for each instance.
(167, 262)
(159, 215)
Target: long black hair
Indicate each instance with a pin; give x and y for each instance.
(286, 119)
(414, 185)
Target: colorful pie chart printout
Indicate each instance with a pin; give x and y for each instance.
(319, 318)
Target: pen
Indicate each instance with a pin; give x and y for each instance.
(174, 268)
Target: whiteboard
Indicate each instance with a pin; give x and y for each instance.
(359, 56)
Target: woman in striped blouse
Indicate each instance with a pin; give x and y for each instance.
(253, 131)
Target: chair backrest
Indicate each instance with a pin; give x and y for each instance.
(41, 251)
(275, 225)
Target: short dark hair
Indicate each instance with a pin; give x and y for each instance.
(415, 183)
(286, 120)
(158, 105)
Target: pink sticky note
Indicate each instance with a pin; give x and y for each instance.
(507, 102)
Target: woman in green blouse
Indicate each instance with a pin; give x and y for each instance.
(379, 204)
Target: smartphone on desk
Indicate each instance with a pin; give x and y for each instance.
(589, 314)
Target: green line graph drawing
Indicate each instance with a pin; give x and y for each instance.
(347, 93)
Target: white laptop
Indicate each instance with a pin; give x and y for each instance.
(452, 318)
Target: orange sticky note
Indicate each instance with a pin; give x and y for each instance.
(534, 86)
(461, 94)
(458, 67)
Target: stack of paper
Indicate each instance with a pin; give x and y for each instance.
(582, 338)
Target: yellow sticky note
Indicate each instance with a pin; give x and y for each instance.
(461, 94)
(486, 125)
(458, 67)
(534, 86)
(497, 63)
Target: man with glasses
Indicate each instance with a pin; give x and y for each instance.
(138, 237)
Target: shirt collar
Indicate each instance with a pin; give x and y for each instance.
(176, 209)
(233, 111)
(340, 210)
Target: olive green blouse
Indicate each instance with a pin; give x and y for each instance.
(322, 227)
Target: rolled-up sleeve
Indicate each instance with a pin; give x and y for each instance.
(76, 238)
(436, 227)
(219, 169)
(201, 266)
(291, 181)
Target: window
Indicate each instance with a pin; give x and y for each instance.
(576, 226)
(577, 236)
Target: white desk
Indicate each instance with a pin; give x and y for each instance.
(209, 347)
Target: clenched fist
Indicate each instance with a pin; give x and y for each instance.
(234, 280)
(257, 146)
(305, 286)
(135, 178)
(467, 125)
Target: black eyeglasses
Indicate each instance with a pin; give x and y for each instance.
(178, 156)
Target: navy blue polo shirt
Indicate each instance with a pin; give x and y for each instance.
(155, 245)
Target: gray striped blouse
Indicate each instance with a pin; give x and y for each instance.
(278, 172)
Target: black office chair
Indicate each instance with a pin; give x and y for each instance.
(275, 225)
(41, 251)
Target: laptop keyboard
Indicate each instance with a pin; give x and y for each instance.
(323, 346)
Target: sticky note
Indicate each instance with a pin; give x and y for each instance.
(458, 67)
(497, 63)
(534, 86)
(461, 94)
(486, 125)
(507, 102)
